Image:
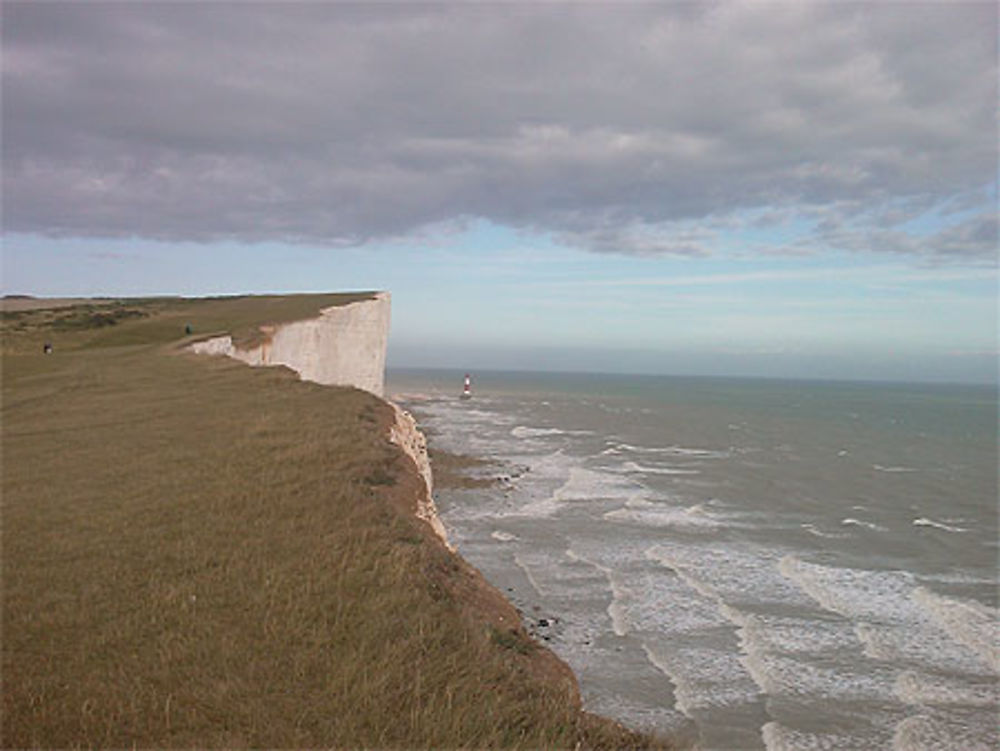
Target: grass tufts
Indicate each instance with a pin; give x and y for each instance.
(512, 638)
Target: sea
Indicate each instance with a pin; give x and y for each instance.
(737, 563)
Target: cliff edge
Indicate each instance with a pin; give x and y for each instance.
(405, 434)
(344, 346)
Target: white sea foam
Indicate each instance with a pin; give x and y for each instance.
(849, 592)
(638, 598)
(670, 451)
(774, 737)
(770, 651)
(814, 530)
(467, 429)
(684, 699)
(640, 511)
(525, 431)
(728, 573)
(914, 639)
(580, 485)
(620, 594)
(973, 624)
(703, 678)
(777, 737)
(691, 575)
(540, 507)
(935, 733)
(555, 575)
(529, 573)
(459, 415)
(616, 612)
(503, 536)
(658, 470)
(953, 577)
(560, 575)
(587, 484)
(789, 635)
(780, 675)
(880, 468)
(616, 608)
(753, 649)
(913, 687)
(769, 645)
(852, 522)
(925, 522)
(891, 615)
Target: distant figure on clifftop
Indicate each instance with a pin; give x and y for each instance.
(187, 329)
(47, 348)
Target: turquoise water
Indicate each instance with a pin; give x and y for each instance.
(745, 563)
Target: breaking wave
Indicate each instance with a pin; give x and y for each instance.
(925, 522)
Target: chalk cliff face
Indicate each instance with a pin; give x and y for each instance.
(344, 346)
(405, 434)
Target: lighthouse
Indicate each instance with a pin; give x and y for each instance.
(467, 389)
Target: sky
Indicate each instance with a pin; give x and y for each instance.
(721, 188)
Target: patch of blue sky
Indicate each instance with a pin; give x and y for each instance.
(486, 295)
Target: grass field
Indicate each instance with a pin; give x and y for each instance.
(196, 553)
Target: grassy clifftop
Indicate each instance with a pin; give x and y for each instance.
(197, 553)
(112, 323)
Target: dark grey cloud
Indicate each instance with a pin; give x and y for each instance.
(612, 127)
(967, 240)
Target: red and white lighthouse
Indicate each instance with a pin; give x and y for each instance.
(467, 389)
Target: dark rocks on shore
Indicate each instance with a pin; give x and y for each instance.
(543, 628)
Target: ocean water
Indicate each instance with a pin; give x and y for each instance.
(741, 563)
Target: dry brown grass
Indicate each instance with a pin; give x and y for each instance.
(201, 554)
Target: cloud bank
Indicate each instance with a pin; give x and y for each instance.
(614, 128)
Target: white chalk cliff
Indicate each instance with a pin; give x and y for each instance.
(405, 434)
(344, 346)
